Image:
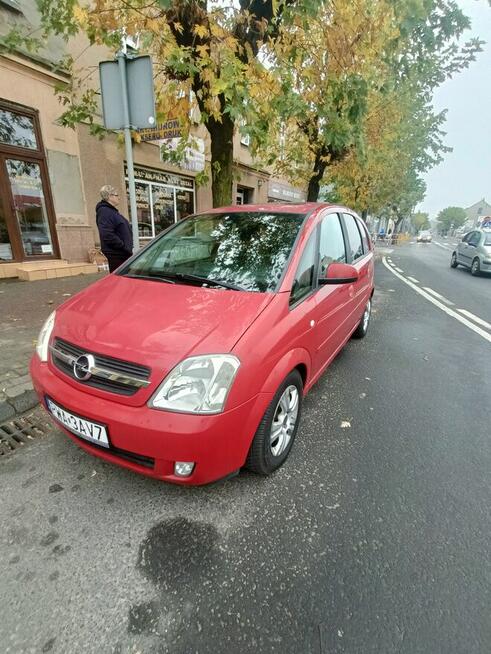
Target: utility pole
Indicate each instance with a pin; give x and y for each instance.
(128, 145)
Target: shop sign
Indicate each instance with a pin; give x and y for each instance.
(288, 193)
(169, 130)
(194, 153)
(161, 177)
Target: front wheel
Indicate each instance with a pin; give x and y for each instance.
(476, 267)
(361, 330)
(277, 430)
(453, 261)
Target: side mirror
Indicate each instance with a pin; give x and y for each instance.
(339, 273)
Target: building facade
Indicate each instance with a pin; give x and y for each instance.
(476, 212)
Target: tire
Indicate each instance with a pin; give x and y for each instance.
(475, 268)
(362, 329)
(270, 450)
(453, 261)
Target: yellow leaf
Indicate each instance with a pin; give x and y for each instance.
(201, 31)
(202, 50)
(79, 14)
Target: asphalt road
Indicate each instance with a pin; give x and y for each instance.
(373, 538)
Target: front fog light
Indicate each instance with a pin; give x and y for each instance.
(183, 468)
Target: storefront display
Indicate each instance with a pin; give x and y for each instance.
(161, 199)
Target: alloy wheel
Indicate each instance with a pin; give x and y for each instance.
(284, 420)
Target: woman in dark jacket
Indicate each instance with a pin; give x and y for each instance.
(114, 229)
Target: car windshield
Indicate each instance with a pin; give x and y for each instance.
(243, 251)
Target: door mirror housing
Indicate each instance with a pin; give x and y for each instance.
(340, 273)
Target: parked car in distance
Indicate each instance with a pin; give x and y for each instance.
(424, 236)
(473, 252)
(192, 359)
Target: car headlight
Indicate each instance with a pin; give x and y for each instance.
(44, 336)
(197, 385)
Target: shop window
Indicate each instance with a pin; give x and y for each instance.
(17, 130)
(184, 204)
(30, 206)
(143, 211)
(163, 207)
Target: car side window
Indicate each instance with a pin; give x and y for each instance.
(354, 238)
(475, 238)
(364, 235)
(467, 237)
(331, 247)
(304, 278)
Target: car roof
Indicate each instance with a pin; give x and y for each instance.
(303, 208)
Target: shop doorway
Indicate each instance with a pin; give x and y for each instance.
(243, 195)
(26, 210)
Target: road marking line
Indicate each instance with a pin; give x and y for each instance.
(437, 295)
(480, 321)
(398, 269)
(414, 281)
(445, 309)
(440, 245)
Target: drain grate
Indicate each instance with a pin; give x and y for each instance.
(18, 432)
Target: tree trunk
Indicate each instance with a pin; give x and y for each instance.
(364, 215)
(222, 159)
(316, 178)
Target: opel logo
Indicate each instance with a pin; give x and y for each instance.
(83, 366)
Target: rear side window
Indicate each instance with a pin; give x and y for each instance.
(475, 238)
(364, 236)
(354, 238)
(487, 239)
(304, 279)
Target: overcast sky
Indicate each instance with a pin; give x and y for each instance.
(464, 177)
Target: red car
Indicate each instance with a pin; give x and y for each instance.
(192, 359)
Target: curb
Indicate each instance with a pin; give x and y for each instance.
(14, 403)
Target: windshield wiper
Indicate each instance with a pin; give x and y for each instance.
(184, 277)
(153, 278)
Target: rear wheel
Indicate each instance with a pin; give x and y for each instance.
(476, 267)
(453, 261)
(277, 430)
(361, 330)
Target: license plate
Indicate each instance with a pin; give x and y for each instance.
(90, 431)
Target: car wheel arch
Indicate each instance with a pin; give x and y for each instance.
(296, 359)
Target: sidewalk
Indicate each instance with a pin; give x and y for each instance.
(24, 306)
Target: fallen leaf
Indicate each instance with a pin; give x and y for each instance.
(362, 395)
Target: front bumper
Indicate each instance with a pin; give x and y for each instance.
(150, 441)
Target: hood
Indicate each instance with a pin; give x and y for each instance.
(156, 324)
(104, 203)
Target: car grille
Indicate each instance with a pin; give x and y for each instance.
(113, 375)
